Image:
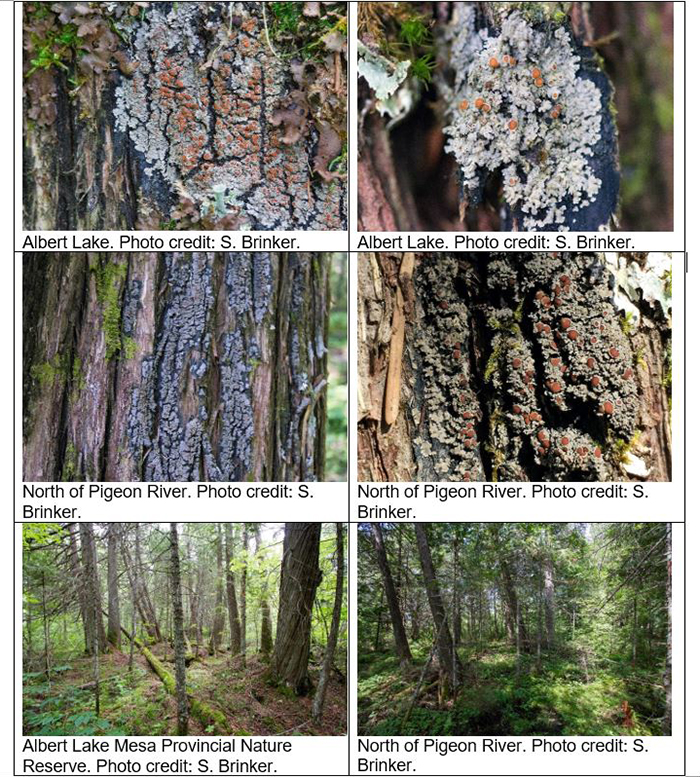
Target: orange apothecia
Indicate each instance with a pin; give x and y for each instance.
(463, 105)
(486, 108)
(493, 62)
(478, 103)
(539, 82)
(536, 72)
(512, 124)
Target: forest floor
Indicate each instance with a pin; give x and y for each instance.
(567, 693)
(136, 703)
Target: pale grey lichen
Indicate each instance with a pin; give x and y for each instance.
(521, 105)
(447, 447)
(383, 75)
(197, 111)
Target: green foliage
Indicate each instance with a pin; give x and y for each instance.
(298, 34)
(414, 31)
(405, 35)
(336, 395)
(57, 48)
(609, 637)
(422, 68)
(287, 17)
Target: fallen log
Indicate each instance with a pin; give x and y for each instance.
(208, 717)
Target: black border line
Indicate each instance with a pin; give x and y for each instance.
(350, 455)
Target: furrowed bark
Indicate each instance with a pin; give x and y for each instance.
(170, 118)
(521, 367)
(179, 646)
(175, 367)
(447, 653)
(299, 580)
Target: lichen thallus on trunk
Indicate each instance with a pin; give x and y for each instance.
(515, 367)
(175, 367)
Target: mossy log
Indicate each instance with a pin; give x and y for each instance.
(207, 716)
(202, 712)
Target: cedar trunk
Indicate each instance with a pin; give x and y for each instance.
(513, 367)
(95, 638)
(172, 367)
(178, 633)
(233, 619)
(299, 580)
(218, 622)
(447, 653)
(114, 626)
(403, 649)
(174, 118)
(329, 655)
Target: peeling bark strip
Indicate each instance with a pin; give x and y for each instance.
(174, 367)
(515, 367)
(172, 124)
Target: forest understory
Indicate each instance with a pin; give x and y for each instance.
(135, 702)
(514, 629)
(220, 629)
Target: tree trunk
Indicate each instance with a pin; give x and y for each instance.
(218, 622)
(512, 367)
(178, 633)
(403, 650)
(94, 627)
(183, 115)
(77, 575)
(114, 631)
(667, 722)
(172, 367)
(149, 615)
(447, 654)
(329, 655)
(515, 622)
(266, 621)
(244, 596)
(456, 597)
(549, 600)
(47, 630)
(233, 620)
(300, 577)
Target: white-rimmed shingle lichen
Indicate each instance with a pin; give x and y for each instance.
(199, 112)
(531, 106)
(520, 369)
(446, 446)
(564, 372)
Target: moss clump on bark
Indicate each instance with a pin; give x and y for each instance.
(109, 282)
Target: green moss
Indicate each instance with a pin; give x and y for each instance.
(48, 374)
(340, 163)
(129, 348)
(296, 34)
(414, 31)
(109, 278)
(70, 471)
(627, 323)
(619, 448)
(57, 49)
